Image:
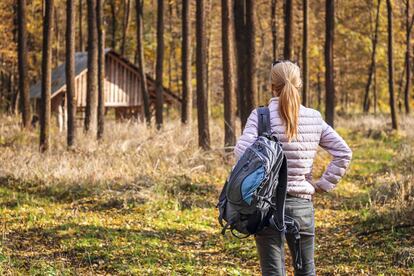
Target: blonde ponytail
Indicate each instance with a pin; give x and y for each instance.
(286, 81)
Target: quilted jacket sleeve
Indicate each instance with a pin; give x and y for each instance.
(341, 153)
(248, 136)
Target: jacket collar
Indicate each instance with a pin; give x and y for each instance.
(274, 99)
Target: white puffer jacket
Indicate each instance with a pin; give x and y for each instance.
(313, 131)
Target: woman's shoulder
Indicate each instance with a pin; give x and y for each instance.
(309, 112)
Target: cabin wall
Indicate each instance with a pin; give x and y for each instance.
(80, 89)
(122, 85)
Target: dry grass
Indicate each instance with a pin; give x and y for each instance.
(370, 123)
(391, 193)
(130, 155)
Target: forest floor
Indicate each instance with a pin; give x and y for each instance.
(135, 204)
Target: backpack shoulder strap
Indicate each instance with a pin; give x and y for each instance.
(263, 119)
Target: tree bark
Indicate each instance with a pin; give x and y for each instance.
(3, 95)
(240, 32)
(319, 89)
(92, 74)
(170, 47)
(46, 76)
(81, 44)
(273, 22)
(113, 23)
(329, 63)
(251, 74)
(202, 97)
(288, 46)
(127, 8)
(398, 99)
(101, 69)
(159, 65)
(375, 90)
(373, 59)
(22, 63)
(407, 88)
(14, 94)
(70, 72)
(139, 5)
(245, 27)
(57, 36)
(208, 18)
(227, 37)
(187, 99)
(394, 119)
(305, 60)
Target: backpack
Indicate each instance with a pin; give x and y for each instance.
(253, 196)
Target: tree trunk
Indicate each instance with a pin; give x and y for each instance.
(187, 99)
(319, 90)
(92, 74)
(3, 95)
(227, 37)
(373, 58)
(251, 74)
(202, 97)
(329, 63)
(305, 61)
(22, 60)
(70, 72)
(288, 13)
(14, 95)
(113, 23)
(170, 46)
(81, 44)
(273, 22)
(208, 18)
(139, 5)
(407, 87)
(101, 69)
(57, 36)
(154, 16)
(240, 32)
(15, 92)
(375, 90)
(399, 102)
(159, 65)
(46, 76)
(245, 26)
(127, 8)
(391, 65)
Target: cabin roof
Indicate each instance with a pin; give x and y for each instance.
(81, 64)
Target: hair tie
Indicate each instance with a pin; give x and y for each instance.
(287, 81)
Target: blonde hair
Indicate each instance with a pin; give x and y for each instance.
(286, 82)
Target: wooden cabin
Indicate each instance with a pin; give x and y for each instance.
(122, 87)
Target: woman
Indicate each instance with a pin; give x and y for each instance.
(300, 130)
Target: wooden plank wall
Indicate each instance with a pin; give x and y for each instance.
(122, 85)
(80, 89)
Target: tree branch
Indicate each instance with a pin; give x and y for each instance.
(367, 233)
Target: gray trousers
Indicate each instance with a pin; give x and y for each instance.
(270, 243)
